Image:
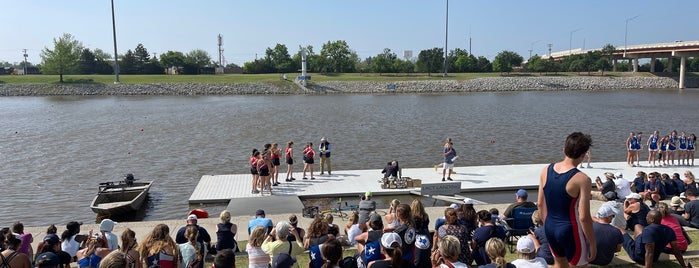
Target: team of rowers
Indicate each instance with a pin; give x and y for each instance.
(662, 151)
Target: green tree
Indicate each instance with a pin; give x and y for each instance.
(63, 58)
(338, 57)
(403, 66)
(198, 57)
(172, 59)
(280, 59)
(129, 63)
(430, 60)
(483, 65)
(505, 60)
(87, 62)
(383, 63)
(536, 64)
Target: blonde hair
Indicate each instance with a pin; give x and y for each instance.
(536, 218)
(156, 241)
(328, 218)
(257, 236)
(191, 233)
(128, 240)
(689, 174)
(225, 216)
(495, 249)
(663, 209)
(395, 203)
(449, 247)
(115, 259)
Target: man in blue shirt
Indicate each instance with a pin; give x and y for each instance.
(260, 220)
(449, 156)
(650, 241)
(608, 237)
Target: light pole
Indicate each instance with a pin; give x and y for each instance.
(626, 31)
(531, 47)
(570, 43)
(446, 39)
(116, 57)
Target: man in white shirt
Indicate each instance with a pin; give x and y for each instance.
(623, 187)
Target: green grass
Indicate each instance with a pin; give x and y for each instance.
(275, 78)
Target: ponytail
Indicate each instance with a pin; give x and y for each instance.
(191, 233)
(500, 262)
(396, 255)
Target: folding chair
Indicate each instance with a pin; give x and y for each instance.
(521, 222)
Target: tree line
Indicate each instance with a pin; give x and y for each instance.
(69, 56)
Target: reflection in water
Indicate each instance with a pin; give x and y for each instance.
(55, 150)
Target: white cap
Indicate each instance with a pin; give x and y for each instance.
(107, 225)
(619, 175)
(454, 205)
(682, 195)
(634, 196)
(387, 239)
(605, 211)
(468, 201)
(192, 217)
(525, 245)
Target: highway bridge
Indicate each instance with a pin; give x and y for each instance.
(677, 49)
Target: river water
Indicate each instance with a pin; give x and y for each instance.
(55, 150)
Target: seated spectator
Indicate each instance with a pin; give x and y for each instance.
(521, 196)
(283, 260)
(635, 211)
(317, 233)
(366, 207)
(27, 239)
(495, 248)
(115, 259)
(280, 232)
(225, 259)
(607, 189)
(689, 182)
(441, 220)
(618, 208)
(352, 229)
(467, 216)
(225, 232)
(391, 219)
(650, 241)
(158, 248)
(526, 255)
(623, 186)
(670, 221)
(294, 221)
(331, 253)
(257, 258)
(669, 185)
(128, 247)
(406, 230)
(653, 190)
(204, 238)
(482, 234)
(495, 214)
(423, 245)
(10, 256)
(71, 239)
(107, 226)
(391, 248)
(690, 217)
(608, 237)
(52, 245)
(539, 238)
(368, 242)
(677, 205)
(639, 183)
(333, 229)
(453, 228)
(448, 254)
(679, 184)
(95, 250)
(260, 220)
(192, 251)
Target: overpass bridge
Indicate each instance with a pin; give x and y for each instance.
(670, 50)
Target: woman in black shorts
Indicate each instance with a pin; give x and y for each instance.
(263, 171)
(308, 155)
(289, 153)
(275, 164)
(253, 170)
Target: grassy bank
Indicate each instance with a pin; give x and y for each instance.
(249, 78)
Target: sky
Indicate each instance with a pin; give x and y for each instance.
(249, 27)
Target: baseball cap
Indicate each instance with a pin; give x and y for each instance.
(283, 259)
(368, 193)
(387, 239)
(192, 217)
(108, 225)
(522, 193)
(634, 196)
(259, 212)
(682, 195)
(47, 259)
(51, 239)
(375, 220)
(605, 211)
(468, 201)
(454, 205)
(619, 175)
(525, 245)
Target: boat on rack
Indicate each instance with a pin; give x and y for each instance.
(120, 197)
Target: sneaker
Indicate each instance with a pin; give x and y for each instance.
(588, 166)
(449, 179)
(313, 178)
(322, 173)
(581, 166)
(275, 184)
(443, 179)
(305, 178)
(288, 180)
(329, 173)
(255, 191)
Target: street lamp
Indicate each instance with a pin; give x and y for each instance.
(446, 39)
(116, 57)
(531, 47)
(626, 31)
(570, 43)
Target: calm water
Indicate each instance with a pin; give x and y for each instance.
(54, 150)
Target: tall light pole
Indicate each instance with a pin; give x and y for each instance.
(116, 56)
(570, 43)
(531, 47)
(626, 31)
(446, 39)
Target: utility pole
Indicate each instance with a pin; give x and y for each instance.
(446, 39)
(626, 31)
(25, 61)
(220, 50)
(570, 44)
(531, 47)
(550, 46)
(116, 56)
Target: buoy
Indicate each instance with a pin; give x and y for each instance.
(200, 212)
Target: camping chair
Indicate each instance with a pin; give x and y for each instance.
(521, 222)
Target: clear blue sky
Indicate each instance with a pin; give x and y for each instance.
(249, 27)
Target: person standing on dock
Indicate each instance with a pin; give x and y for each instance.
(449, 156)
(308, 160)
(562, 190)
(289, 152)
(324, 149)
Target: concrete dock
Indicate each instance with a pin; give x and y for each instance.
(236, 188)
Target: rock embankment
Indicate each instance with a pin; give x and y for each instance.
(346, 87)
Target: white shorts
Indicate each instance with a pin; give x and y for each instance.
(448, 166)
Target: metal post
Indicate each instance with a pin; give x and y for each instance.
(446, 39)
(626, 31)
(25, 61)
(531, 47)
(570, 43)
(116, 56)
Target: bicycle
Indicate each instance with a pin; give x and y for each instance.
(340, 211)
